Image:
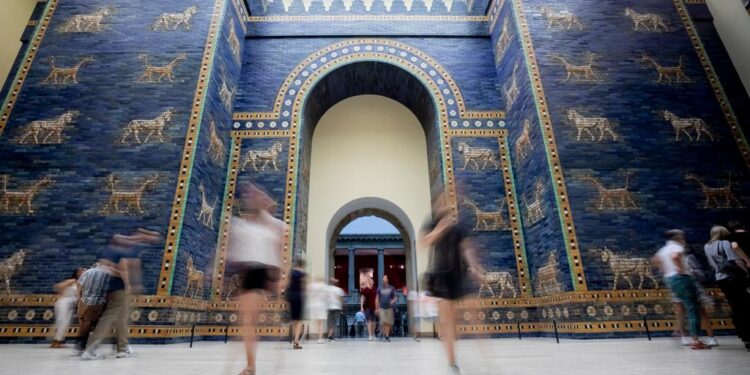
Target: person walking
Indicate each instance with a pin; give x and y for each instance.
(296, 299)
(122, 255)
(255, 247)
(672, 262)
(367, 306)
(335, 305)
(706, 302)
(67, 295)
(385, 300)
(731, 274)
(92, 296)
(317, 306)
(453, 267)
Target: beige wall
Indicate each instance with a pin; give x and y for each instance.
(14, 15)
(733, 24)
(366, 147)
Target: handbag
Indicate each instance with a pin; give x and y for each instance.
(729, 268)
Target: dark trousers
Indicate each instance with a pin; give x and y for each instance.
(739, 301)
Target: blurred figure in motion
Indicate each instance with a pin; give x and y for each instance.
(122, 256)
(367, 305)
(296, 299)
(453, 266)
(335, 305)
(92, 296)
(255, 248)
(706, 302)
(317, 306)
(385, 300)
(672, 262)
(731, 274)
(424, 308)
(67, 295)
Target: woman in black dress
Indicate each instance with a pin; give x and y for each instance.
(454, 266)
(296, 299)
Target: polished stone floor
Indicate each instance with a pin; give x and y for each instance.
(401, 356)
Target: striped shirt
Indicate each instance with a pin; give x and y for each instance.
(94, 283)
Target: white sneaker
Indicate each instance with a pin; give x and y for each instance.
(320, 341)
(687, 341)
(87, 356)
(710, 341)
(76, 353)
(127, 353)
(369, 338)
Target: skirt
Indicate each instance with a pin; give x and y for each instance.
(259, 276)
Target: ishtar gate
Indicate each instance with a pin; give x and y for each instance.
(567, 135)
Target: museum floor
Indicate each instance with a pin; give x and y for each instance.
(401, 356)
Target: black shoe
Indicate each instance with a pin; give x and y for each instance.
(387, 338)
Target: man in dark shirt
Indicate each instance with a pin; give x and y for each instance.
(122, 255)
(367, 306)
(385, 301)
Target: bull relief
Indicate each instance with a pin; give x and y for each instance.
(626, 268)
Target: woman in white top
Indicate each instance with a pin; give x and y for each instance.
(317, 306)
(67, 291)
(255, 246)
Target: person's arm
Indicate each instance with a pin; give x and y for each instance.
(442, 226)
(394, 298)
(740, 253)
(377, 299)
(62, 285)
(362, 302)
(677, 260)
(656, 262)
(469, 252)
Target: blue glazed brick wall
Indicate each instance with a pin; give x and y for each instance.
(626, 93)
(67, 227)
(542, 235)
(366, 7)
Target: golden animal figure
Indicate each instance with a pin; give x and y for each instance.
(50, 129)
(586, 124)
(534, 212)
(130, 198)
(581, 73)
(150, 127)
(226, 94)
(194, 280)
(87, 22)
(475, 155)
(717, 197)
(503, 41)
(270, 155)
(668, 74)
(171, 21)
(563, 19)
(9, 267)
(234, 41)
(216, 146)
(523, 142)
(501, 281)
(686, 125)
(153, 73)
(613, 198)
(22, 201)
(512, 91)
(546, 276)
(487, 221)
(649, 21)
(61, 76)
(206, 214)
(626, 267)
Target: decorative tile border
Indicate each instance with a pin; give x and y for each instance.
(164, 284)
(713, 80)
(558, 180)
(367, 18)
(28, 59)
(494, 13)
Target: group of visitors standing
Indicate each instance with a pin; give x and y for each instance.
(729, 264)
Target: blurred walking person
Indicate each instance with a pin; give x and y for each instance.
(672, 262)
(335, 305)
(295, 297)
(385, 300)
(255, 248)
(122, 256)
(67, 295)
(424, 308)
(731, 274)
(706, 302)
(367, 306)
(453, 266)
(92, 296)
(317, 306)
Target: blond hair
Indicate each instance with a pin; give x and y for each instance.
(719, 233)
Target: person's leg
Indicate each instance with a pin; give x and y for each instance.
(687, 293)
(103, 327)
(120, 300)
(63, 313)
(297, 331)
(737, 299)
(249, 305)
(447, 322)
(319, 326)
